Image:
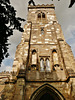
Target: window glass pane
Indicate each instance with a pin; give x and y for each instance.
(42, 65)
(48, 65)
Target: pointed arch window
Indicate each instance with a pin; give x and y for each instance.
(42, 64)
(43, 15)
(39, 15)
(55, 58)
(34, 57)
(48, 65)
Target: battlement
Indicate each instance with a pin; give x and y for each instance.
(41, 6)
(4, 75)
(5, 72)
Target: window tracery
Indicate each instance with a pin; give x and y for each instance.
(48, 65)
(42, 64)
(41, 15)
(45, 64)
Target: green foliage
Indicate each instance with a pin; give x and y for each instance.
(8, 22)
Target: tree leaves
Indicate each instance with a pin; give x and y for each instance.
(8, 22)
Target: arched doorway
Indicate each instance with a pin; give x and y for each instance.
(46, 96)
(47, 92)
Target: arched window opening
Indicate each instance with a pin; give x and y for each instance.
(55, 58)
(42, 31)
(39, 15)
(48, 65)
(43, 15)
(34, 57)
(34, 51)
(41, 64)
(54, 51)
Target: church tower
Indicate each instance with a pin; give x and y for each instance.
(44, 66)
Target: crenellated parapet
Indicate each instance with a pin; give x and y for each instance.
(41, 6)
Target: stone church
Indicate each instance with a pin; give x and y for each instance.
(44, 65)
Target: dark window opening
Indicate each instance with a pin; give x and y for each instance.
(54, 51)
(34, 51)
(56, 65)
(43, 15)
(47, 96)
(39, 15)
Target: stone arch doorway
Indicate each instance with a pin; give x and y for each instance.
(47, 92)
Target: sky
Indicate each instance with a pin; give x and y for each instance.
(65, 17)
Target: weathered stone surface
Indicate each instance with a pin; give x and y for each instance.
(43, 62)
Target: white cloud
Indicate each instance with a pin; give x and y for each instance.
(7, 64)
(8, 68)
(14, 40)
(70, 37)
(69, 32)
(5, 68)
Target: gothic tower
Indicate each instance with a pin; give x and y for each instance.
(44, 66)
